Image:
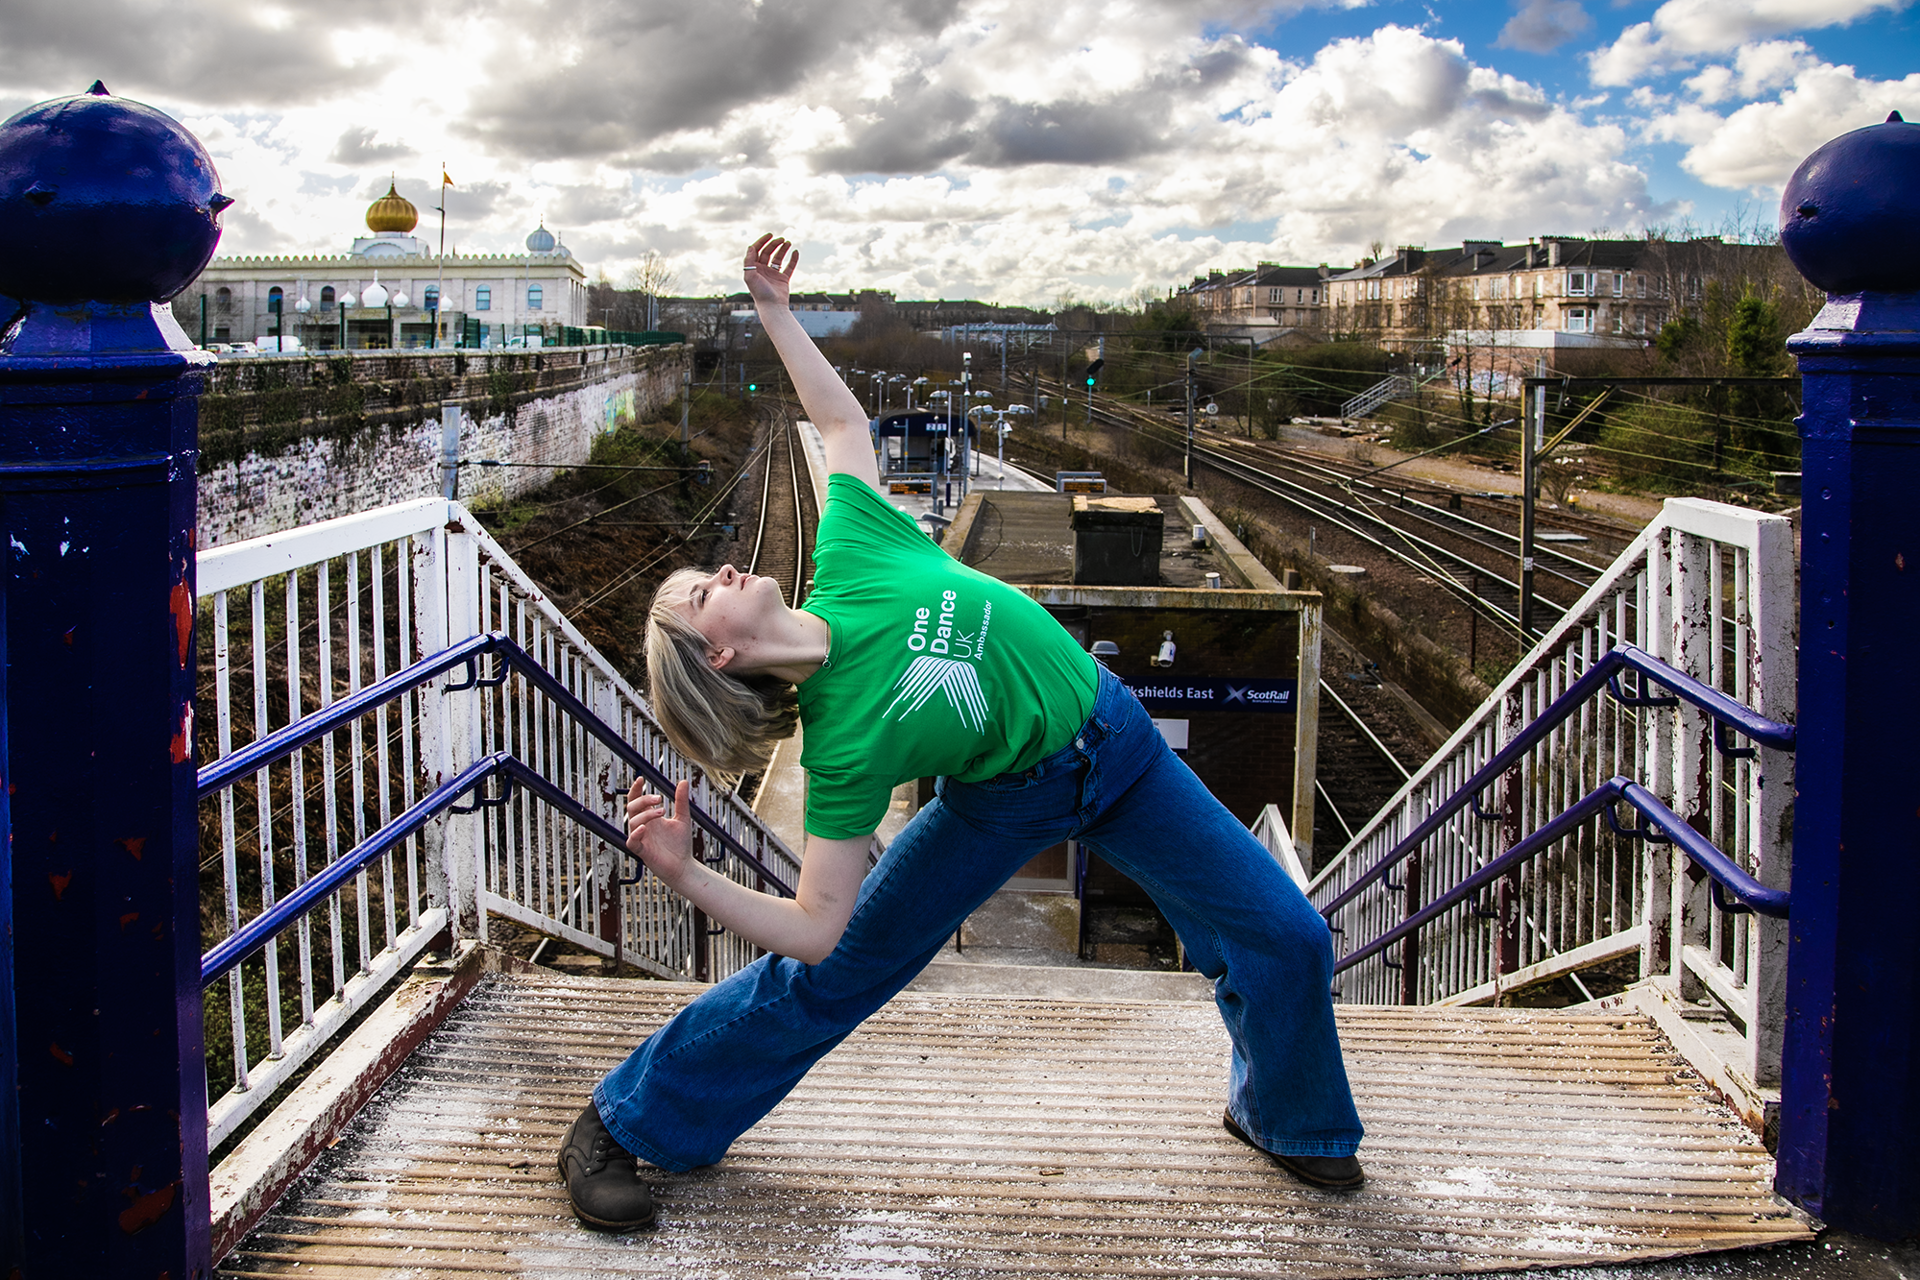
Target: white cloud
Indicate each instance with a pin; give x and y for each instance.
(991, 148)
(1681, 31)
(1760, 145)
(1757, 69)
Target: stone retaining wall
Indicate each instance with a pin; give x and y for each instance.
(290, 440)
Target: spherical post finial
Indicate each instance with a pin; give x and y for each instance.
(1850, 215)
(103, 199)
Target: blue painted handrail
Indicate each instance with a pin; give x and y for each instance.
(281, 743)
(1605, 673)
(283, 914)
(1663, 826)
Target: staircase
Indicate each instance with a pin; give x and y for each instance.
(1395, 386)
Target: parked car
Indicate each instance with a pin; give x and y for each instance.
(267, 342)
(243, 349)
(219, 348)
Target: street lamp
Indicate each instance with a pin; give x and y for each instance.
(303, 307)
(347, 303)
(402, 301)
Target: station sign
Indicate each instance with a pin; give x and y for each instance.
(1079, 482)
(1188, 694)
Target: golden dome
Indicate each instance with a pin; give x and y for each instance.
(392, 212)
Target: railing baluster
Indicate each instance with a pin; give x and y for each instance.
(358, 757)
(229, 866)
(383, 782)
(297, 790)
(330, 794)
(263, 809)
(405, 552)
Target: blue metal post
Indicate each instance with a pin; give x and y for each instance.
(1850, 1093)
(106, 206)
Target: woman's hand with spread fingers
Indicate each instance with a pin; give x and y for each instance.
(769, 270)
(664, 844)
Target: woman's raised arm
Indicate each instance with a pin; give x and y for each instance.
(828, 404)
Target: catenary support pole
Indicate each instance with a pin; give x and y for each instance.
(1849, 1148)
(1532, 434)
(106, 206)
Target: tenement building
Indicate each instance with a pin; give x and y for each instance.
(1270, 304)
(390, 289)
(1559, 291)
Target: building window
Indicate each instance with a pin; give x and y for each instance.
(1577, 284)
(223, 299)
(1640, 285)
(1619, 284)
(1273, 296)
(1579, 320)
(326, 295)
(430, 300)
(483, 298)
(533, 297)
(276, 299)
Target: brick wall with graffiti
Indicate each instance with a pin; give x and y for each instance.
(287, 441)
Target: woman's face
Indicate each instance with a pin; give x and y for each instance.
(734, 611)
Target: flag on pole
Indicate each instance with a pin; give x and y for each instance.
(445, 181)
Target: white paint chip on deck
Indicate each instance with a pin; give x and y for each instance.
(974, 1135)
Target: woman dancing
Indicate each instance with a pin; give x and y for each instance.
(906, 664)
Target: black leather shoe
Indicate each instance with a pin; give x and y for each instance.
(603, 1180)
(1336, 1173)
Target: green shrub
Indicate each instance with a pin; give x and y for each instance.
(1664, 448)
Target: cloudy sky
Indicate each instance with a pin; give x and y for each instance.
(1013, 151)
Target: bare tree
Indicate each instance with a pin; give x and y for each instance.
(653, 277)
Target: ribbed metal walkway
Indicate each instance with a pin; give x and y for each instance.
(966, 1135)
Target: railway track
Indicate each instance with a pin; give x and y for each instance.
(787, 517)
(1465, 543)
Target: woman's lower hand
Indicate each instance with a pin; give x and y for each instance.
(664, 843)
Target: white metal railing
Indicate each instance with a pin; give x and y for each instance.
(1270, 829)
(1710, 590)
(303, 618)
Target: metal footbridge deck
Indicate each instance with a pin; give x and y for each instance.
(977, 1135)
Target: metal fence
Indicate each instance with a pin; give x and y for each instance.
(1709, 590)
(303, 620)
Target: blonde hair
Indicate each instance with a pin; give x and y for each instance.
(727, 724)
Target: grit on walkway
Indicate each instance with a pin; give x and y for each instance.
(962, 1135)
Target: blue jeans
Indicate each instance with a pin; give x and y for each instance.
(728, 1058)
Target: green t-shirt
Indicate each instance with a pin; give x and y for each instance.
(934, 669)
